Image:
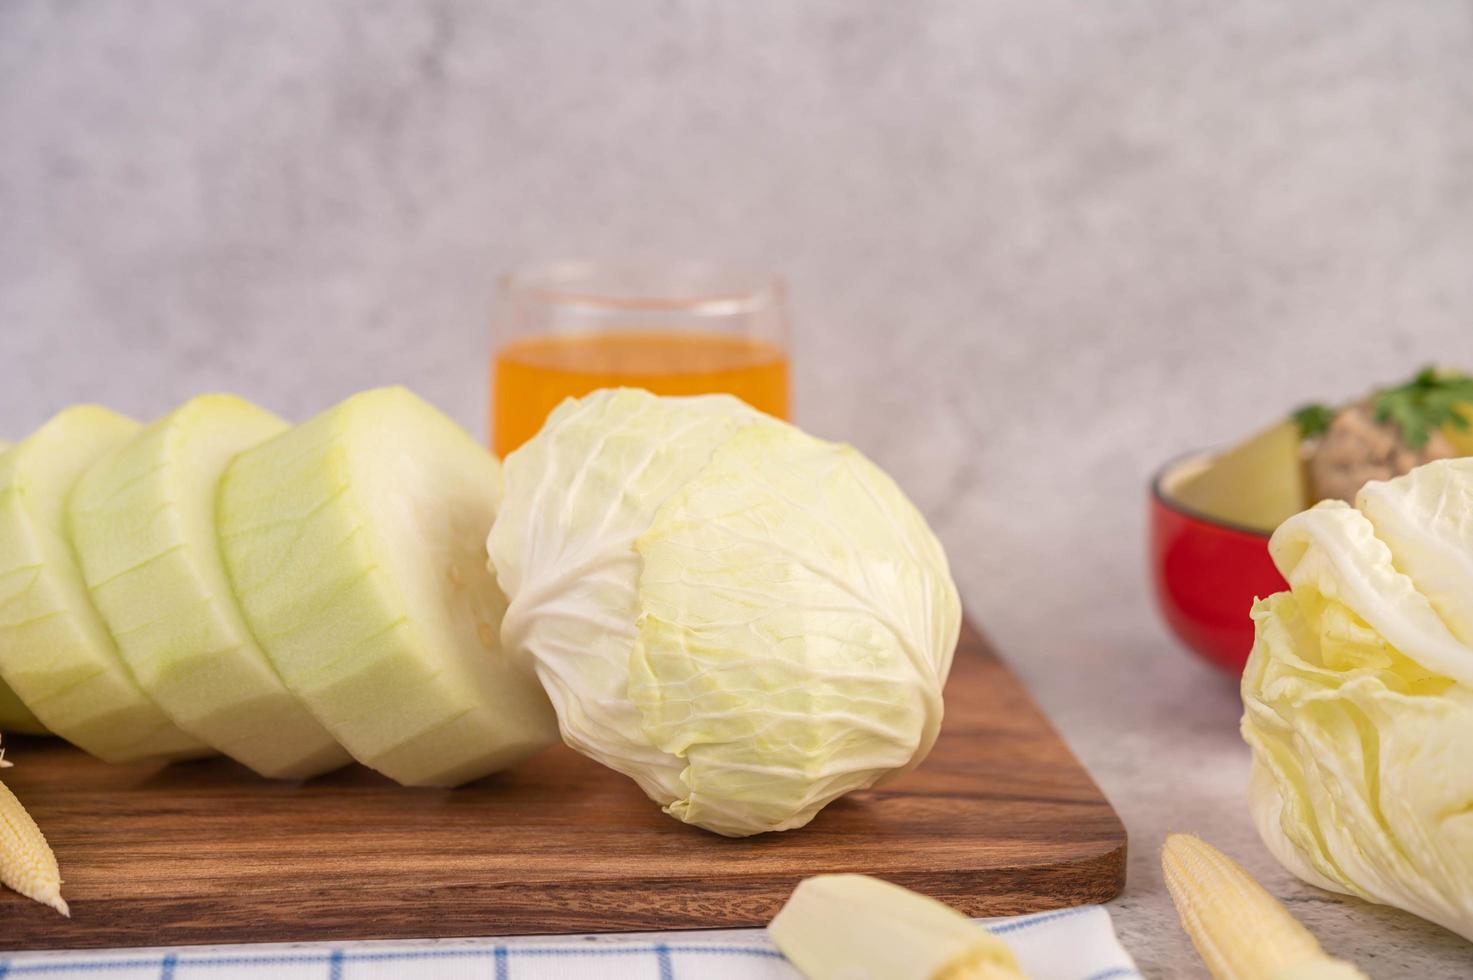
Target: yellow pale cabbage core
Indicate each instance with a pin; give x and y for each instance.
(1358, 706)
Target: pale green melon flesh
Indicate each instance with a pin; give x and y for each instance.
(15, 716)
(143, 525)
(356, 546)
(55, 652)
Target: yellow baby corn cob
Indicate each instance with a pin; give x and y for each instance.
(26, 861)
(1239, 930)
(853, 927)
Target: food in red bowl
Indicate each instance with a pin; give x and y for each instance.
(1207, 570)
(1212, 514)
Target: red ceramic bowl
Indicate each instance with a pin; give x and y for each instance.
(1207, 573)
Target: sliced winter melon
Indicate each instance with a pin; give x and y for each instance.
(1461, 439)
(55, 652)
(143, 525)
(356, 546)
(1259, 483)
(14, 715)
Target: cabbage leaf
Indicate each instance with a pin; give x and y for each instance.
(1358, 700)
(746, 620)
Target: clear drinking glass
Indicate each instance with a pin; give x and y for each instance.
(682, 328)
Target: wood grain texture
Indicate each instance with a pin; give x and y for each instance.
(1001, 819)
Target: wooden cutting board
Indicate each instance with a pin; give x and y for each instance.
(1001, 819)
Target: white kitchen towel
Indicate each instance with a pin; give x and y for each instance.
(1070, 944)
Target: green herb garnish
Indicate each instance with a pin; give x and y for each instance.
(1313, 419)
(1424, 404)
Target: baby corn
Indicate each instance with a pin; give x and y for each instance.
(855, 927)
(1239, 930)
(27, 864)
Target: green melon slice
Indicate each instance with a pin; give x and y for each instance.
(143, 525)
(1259, 483)
(14, 715)
(356, 545)
(55, 652)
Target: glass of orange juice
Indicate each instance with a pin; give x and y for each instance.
(682, 328)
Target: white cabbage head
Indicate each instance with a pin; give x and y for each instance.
(746, 620)
(1358, 696)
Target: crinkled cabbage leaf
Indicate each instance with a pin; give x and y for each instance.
(746, 620)
(1358, 696)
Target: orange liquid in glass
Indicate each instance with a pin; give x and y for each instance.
(532, 376)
